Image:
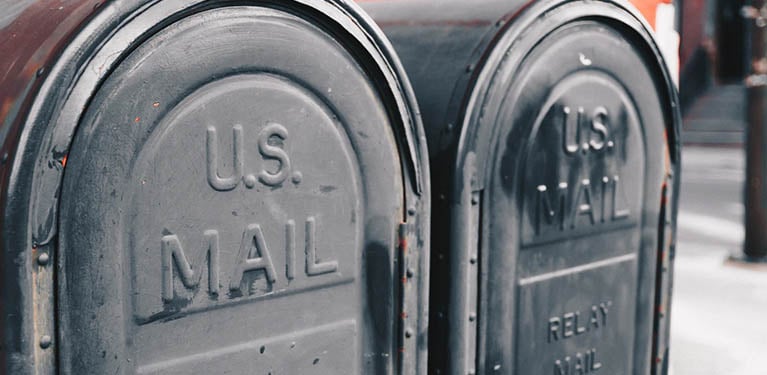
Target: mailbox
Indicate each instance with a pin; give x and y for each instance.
(552, 129)
(210, 187)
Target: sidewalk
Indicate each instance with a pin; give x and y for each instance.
(719, 307)
(717, 118)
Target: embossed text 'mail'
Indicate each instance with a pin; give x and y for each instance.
(578, 364)
(254, 256)
(599, 204)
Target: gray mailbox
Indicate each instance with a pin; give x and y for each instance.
(552, 131)
(217, 187)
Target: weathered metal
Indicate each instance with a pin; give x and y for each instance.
(32, 36)
(505, 87)
(305, 250)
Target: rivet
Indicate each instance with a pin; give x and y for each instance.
(411, 211)
(410, 272)
(472, 317)
(45, 341)
(40, 72)
(4, 158)
(470, 68)
(43, 259)
(473, 259)
(408, 333)
(474, 199)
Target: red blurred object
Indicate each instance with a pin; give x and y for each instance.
(649, 8)
(692, 27)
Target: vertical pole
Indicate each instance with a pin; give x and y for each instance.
(755, 247)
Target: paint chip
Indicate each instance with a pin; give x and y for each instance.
(585, 60)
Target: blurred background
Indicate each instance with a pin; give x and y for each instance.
(720, 291)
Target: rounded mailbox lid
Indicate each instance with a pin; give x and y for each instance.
(236, 200)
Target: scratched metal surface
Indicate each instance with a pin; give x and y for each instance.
(32, 34)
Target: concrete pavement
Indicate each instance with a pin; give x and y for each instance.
(719, 311)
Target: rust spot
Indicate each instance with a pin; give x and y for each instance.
(156, 104)
(64, 161)
(404, 280)
(403, 315)
(137, 119)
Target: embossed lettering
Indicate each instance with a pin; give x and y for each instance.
(252, 239)
(567, 325)
(274, 152)
(595, 365)
(583, 195)
(605, 186)
(578, 366)
(578, 328)
(594, 321)
(564, 213)
(312, 267)
(271, 142)
(554, 324)
(545, 210)
(214, 179)
(584, 363)
(619, 213)
(571, 324)
(603, 308)
(254, 255)
(171, 251)
(562, 367)
(600, 128)
(599, 135)
(571, 133)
